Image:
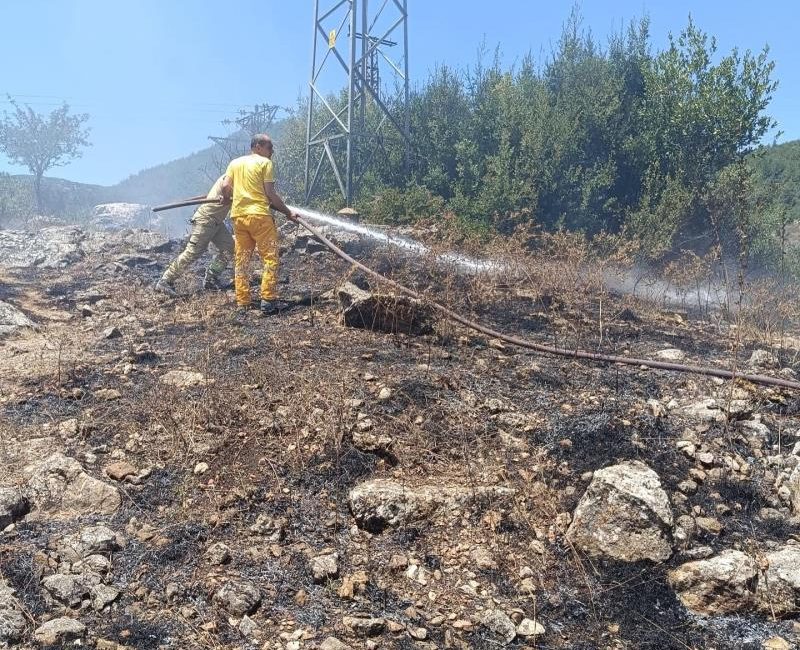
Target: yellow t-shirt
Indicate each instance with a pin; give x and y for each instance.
(249, 173)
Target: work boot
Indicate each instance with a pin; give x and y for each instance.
(269, 307)
(162, 286)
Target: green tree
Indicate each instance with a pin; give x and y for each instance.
(42, 142)
(696, 119)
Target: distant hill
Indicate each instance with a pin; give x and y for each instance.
(188, 176)
(778, 175)
(183, 177)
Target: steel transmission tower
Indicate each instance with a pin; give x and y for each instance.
(361, 47)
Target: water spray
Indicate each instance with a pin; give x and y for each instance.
(513, 340)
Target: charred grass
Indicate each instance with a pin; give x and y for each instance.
(274, 418)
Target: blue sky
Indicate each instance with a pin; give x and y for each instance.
(158, 76)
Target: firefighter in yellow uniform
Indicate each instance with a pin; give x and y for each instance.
(250, 182)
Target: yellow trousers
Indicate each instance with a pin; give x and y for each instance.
(251, 232)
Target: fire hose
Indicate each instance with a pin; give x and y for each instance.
(524, 343)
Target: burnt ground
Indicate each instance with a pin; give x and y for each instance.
(274, 420)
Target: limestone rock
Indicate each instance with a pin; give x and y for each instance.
(499, 623)
(324, 567)
(794, 489)
(778, 589)
(529, 627)
(724, 584)
(384, 312)
(12, 319)
(103, 595)
(218, 553)
(49, 248)
(183, 378)
(59, 631)
(763, 359)
(12, 620)
(332, 643)
(624, 514)
(68, 589)
(706, 410)
(671, 354)
(120, 470)
(273, 528)
(380, 503)
(59, 485)
(363, 626)
(237, 598)
(13, 506)
(93, 540)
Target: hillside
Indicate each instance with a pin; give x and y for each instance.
(175, 477)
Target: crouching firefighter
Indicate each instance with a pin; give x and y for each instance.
(208, 227)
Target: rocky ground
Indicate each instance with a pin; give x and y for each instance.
(175, 477)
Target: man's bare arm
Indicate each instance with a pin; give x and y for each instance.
(275, 201)
(227, 189)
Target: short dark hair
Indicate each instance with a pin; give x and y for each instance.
(260, 139)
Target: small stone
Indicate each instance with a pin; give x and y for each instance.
(418, 633)
(200, 469)
(103, 595)
(111, 333)
(706, 458)
(218, 553)
(119, 470)
(776, 643)
(499, 623)
(107, 394)
(385, 394)
(59, 631)
(248, 627)
(671, 354)
(398, 562)
(325, 567)
(687, 447)
(364, 626)
(68, 428)
(709, 525)
(332, 643)
(529, 627)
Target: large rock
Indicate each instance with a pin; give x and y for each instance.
(382, 503)
(12, 620)
(13, 506)
(384, 312)
(116, 216)
(59, 485)
(12, 319)
(724, 584)
(59, 631)
(624, 515)
(57, 247)
(778, 590)
(53, 248)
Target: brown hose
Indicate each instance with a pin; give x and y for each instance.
(547, 349)
(198, 200)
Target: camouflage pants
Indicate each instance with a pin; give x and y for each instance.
(205, 231)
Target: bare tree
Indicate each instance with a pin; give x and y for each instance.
(42, 142)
